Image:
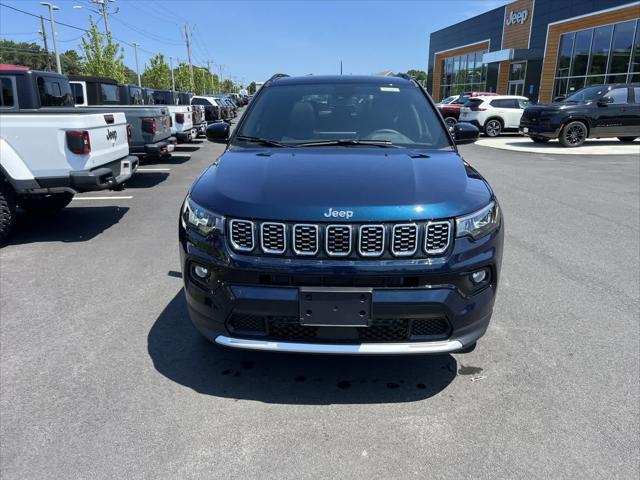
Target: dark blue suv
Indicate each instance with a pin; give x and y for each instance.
(341, 219)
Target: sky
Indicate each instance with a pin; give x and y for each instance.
(251, 40)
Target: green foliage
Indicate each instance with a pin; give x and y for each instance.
(227, 86)
(157, 74)
(252, 88)
(103, 57)
(33, 55)
(419, 75)
(183, 78)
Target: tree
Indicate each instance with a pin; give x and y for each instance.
(252, 88)
(227, 86)
(34, 56)
(157, 74)
(419, 75)
(183, 77)
(103, 57)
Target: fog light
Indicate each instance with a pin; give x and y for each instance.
(201, 272)
(479, 276)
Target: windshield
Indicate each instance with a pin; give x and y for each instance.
(163, 98)
(588, 94)
(295, 114)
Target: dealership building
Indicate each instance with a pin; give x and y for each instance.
(541, 49)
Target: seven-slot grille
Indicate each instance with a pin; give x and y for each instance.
(242, 238)
(436, 237)
(371, 240)
(305, 239)
(273, 238)
(341, 240)
(338, 240)
(405, 239)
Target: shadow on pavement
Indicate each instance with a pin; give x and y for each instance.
(174, 159)
(146, 179)
(181, 354)
(186, 148)
(71, 224)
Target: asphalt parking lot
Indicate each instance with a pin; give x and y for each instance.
(103, 376)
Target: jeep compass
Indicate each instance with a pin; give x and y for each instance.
(341, 219)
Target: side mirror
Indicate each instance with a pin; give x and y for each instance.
(218, 132)
(464, 133)
(604, 101)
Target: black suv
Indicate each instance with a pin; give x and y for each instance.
(598, 111)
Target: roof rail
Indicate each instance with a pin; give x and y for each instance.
(275, 77)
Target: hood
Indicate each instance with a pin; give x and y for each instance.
(307, 184)
(547, 107)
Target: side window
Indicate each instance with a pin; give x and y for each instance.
(636, 94)
(7, 97)
(54, 94)
(513, 103)
(618, 95)
(522, 103)
(78, 96)
(498, 103)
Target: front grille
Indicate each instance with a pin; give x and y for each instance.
(273, 237)
(338, 240)
(288, 328)
(306, 239)
(242, 236)
(371, 242)
(436, 238)
(420, 239)
(405, 239)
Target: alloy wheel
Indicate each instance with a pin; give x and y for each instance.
(493, 128)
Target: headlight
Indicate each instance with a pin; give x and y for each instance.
(480, 223)
(201, 219)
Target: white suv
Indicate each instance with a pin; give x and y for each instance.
(494, 114)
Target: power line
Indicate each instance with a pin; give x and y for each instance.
(148, 35)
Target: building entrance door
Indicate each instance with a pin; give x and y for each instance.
(517, 71)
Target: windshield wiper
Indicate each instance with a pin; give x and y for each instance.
(348, 141)
(261, 141)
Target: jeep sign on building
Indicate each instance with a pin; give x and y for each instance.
(541, 49)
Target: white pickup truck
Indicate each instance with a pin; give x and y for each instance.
(49, 151)
(183, 127)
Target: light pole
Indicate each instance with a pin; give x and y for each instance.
(173, 79)
(135, 49)
(53, 32)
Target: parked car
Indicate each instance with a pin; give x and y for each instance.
(233, 108)
(131, 95)
(295, 237)
(150, 124)
(182, 126)
(450, 106)
(226, 111)
(211, 108)
(49, 150)
(199, 120)
(494, 114)
(598, 111)
(245, 100)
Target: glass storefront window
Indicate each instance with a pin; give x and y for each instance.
(601, 55)
(564, 55)
(463, 73)
(600, 50)
(621, 47)
(581, 53)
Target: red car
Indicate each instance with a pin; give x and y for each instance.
(450, 106)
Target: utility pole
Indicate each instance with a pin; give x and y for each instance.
(43, 32)
(53, 33)
(135, 49)
(220, 69)
(105, 14)
(210, 77)
(340, 67)
(186, 36)
(173, 78)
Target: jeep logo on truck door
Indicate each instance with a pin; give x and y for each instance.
(112, 135)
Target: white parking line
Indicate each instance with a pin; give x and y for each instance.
(153, 170)
(104, 198)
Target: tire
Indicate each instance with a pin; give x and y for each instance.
(450, 121)
(7, 210)
(45, 204)
(573, 134)
(493, 127)
(627, 139)
(539, 139)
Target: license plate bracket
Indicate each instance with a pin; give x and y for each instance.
(335, 306)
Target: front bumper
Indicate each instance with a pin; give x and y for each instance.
(539, 129)
(103, 177)
(407, 293)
